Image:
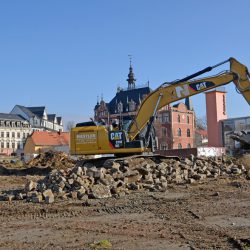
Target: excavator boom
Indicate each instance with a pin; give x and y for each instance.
(169, 93)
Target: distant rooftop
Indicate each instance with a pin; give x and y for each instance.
(12, 117)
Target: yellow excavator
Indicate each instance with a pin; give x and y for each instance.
(92, 138)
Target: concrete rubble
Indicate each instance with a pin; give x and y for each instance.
(59, 160)
(119, 177)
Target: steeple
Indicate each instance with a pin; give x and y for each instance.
(131, 77)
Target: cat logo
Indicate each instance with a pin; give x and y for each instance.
(184, 90)
(200, 86)
(115, 136)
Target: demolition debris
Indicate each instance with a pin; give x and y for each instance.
(118, 177)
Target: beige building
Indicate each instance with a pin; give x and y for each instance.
(42, 141)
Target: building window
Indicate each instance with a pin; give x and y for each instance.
(2, 134)
(179, 118)
(18, 134)
(13, 134)
(188, 132)
(164, 147)
(179, 132)
(18, 145)
(159, 119)
(7, 145)
(8, 134)
(188, 119)
(224, 105)
(13, 145)
(188, 146)
(165, 117)
(179, 146)
(2, 144)
(164, 132)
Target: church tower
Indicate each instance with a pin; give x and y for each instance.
(131, 77)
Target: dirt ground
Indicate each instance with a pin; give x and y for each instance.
(213, 214)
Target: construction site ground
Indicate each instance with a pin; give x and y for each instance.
(212, 214)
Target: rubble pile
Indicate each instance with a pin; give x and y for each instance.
(118, 177)
(57, 160)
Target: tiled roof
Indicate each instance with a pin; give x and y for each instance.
(13, 117)
(201, 132)
(126, 96)
(45, 138)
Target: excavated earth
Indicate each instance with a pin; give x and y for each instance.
(211, 213)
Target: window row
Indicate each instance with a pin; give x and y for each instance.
(179, 118)
(13, 134)
(11, 145)
(180, 146)
(13, 124)
(179, 132)
(165, 147)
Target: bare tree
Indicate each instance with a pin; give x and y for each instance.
(70, 125)
(201, 123)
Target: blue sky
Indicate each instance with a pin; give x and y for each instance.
(63, 54)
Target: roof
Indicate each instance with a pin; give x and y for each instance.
(38, 111)
(4, 116)
(51, 117)
(59, 120)
(201, 132)
(236, 118)
(26, 111)
(45, 138)
(126, 96)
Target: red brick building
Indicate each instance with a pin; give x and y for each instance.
(175, 127)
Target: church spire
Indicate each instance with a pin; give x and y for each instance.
(131, 77)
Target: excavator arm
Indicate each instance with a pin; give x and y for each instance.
(91, 138)
(171, 92)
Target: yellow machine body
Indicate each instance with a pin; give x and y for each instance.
(92, 140)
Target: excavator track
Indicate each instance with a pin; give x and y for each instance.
(100, 162)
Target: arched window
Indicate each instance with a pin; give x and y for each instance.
(188, 119)
(179, 146)
(179, 132)
(188, 146)
(188, 132)
(179, 118)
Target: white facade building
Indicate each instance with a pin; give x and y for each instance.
(14, 130)
(39, 119)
